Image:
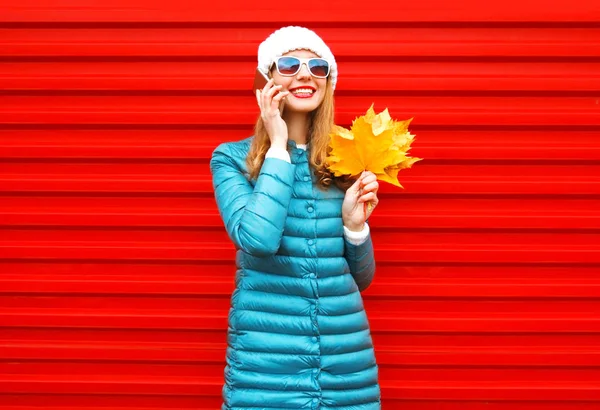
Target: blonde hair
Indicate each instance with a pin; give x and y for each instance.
(321, 122)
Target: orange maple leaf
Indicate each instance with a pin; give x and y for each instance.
(374, 143)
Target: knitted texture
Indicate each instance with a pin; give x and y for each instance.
(294, 38)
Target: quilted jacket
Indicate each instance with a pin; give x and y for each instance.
(298, 335)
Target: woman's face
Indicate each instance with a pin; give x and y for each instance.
(303, 80)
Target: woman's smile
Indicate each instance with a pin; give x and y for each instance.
(302, 92)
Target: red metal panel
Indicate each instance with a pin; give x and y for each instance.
(116, 272)
(332, 11)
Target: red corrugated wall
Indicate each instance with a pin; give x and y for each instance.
(116, 271)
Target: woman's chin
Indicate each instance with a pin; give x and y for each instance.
(301, 106)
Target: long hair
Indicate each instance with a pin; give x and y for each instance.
(320, 124)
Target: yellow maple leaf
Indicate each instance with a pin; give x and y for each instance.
(376, 143)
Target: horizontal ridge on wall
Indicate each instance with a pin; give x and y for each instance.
(441, 110)
(174, 144)
(345, 42)
(477, 78)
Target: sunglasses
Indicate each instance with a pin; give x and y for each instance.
(289, 66)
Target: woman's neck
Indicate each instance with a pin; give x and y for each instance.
(297, 124)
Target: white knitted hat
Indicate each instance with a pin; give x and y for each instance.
(294, 38)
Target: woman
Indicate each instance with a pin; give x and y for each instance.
(298, 334)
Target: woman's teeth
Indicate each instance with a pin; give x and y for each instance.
(302, 91)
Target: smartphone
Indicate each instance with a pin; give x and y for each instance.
(260, 80)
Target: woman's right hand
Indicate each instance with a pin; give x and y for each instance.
(270, 113)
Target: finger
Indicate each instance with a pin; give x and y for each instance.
(258, 97)
(272, 86)
(263, 95)
(268, 85)
(368, 178)
(282, 105)
(371, 202)
(367, 197)
(369, 174)
(372, 187)
(268, 98)
(356, 185)
(275, 108)
(363, 182)
(276, 89)
(265, 89)
(281, 96)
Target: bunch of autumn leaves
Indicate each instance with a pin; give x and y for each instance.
(374, 143)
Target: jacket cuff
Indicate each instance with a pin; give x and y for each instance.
(357, 238)
(278, 152)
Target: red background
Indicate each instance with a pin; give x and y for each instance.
(116, 271)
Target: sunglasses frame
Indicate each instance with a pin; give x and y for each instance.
(302, 61)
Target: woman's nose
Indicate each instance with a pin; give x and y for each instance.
(304, 72)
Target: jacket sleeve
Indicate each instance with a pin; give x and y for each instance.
(254, 217)
(361, 260)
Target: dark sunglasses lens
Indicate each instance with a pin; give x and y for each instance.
(288, 65)
(319, 67)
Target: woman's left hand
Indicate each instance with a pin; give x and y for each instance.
(364, 190)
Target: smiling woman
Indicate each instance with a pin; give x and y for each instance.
(298, 334)
(295, 59)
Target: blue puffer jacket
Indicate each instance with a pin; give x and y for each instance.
(298, 334)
